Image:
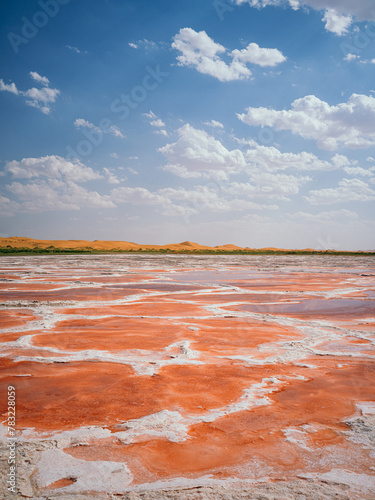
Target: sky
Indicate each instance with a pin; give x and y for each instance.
(249, 122)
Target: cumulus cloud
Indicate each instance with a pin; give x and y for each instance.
(42, 98)
(54, 167)
(137, 196)
(347, 190)
(270, 159)
(196, 151)
(338, 14)
(51, 183)
(199, 51)
(337, 23)
(350, 124)
(198, 154)
(256, 55)
(53, 194)
(364, 172)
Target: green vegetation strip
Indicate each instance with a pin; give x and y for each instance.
(71, 251)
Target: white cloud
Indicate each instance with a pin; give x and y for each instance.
(185, 202)
(111, 177)
(267, 185)
(347, 190)
(114, 130)
(137, 196)
(41, 98)
(38, 98)
(360, 171)
(54, 167)
(53, 194)
(150, 115)
(198, 154)
(196, 151)
(351, 57)
(111, 129)
(40, 79)
(338, 14)
(256, 55)
(114, 155)
(214, 123)
(336, 23)
(146, 44)
(51, 184)
(157, 123)
(77, 51)
(8, 87)
(80, 122)
(199, 51)
(270, 159)
(351, 124)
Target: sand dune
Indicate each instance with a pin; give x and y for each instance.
(101, 245)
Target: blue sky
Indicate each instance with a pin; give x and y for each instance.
(228, 121)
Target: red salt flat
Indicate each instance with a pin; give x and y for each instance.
(296, 425)
(10, 318)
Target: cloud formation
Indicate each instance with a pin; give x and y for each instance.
(346, 191)
(42, 98)
(111, 129)
(51, 184)
(350, 124)
(199, 51)
(53, 167)
(338, 14)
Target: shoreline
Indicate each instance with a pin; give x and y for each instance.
(92, 251)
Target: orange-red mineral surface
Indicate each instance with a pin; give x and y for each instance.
(136, 372)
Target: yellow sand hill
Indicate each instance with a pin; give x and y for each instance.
(100, 245)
